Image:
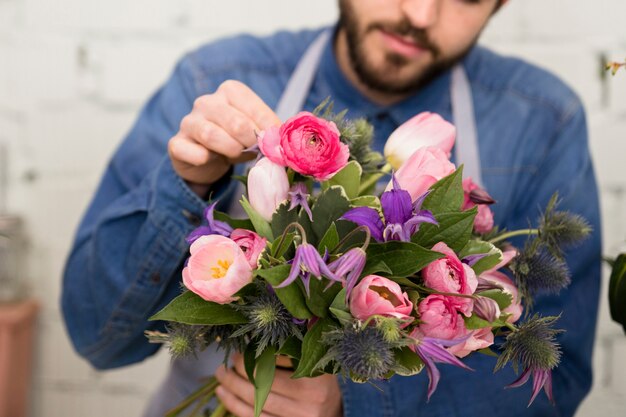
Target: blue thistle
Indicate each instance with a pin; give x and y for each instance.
(539, 272)
(561, 229)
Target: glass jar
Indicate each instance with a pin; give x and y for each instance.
(11, 253)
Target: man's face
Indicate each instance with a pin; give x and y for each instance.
(396, 46)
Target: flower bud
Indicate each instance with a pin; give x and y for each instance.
(268, 187)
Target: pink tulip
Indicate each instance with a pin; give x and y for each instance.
(268, 187)
(451, 275)
(307, 144)
(217, 269)
(424, 168)
(376, 295)
(440, 318)
(250, 243)
(424, 130)
(479, 339)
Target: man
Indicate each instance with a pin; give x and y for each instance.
(387, 61)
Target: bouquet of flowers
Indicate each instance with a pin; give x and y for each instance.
(345, 281)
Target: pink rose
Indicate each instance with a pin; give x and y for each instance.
(425, 129)
(250, 243)
(483, 223)
(376, 295)
(451, 275)
(268, 187)
(424, 168)
(479, 339)
(307, 144)
(440, 318)
(217, 269)
(495, 277)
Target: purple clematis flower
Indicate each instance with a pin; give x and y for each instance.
(298, 196)
(402, 217)
(307, 262)
(430, 351)
(348, 267)
(542, 378)
(214, 227)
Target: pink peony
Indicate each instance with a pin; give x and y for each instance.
(479, 339)
(376, 295)
(483, 223)
(495, 277)
(440, 318)
(217, 269)
(250, 243)
(424, 168)
(307, 144)
(268, 187)
(425, 129)
(451, 275)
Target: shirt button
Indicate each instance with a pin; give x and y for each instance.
(155, 278)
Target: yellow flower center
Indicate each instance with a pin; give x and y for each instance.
(221, 269)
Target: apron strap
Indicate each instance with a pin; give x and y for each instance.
(466, 147)
(294, 96)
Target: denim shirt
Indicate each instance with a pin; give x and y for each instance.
(126, 260)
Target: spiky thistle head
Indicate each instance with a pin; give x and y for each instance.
(223, 336)
(363, 353)
(184, 339)
(270, 323)
(561, 229)
(532, 346)
(389, 328)
(538, 271)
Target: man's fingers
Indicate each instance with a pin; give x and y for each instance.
(212, 136)
(243, 98)
(186, 150)
(235, 405)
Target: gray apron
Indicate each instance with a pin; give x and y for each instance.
(185, 373)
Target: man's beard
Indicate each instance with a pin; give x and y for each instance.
(384, 80)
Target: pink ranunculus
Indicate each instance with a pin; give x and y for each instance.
(268, 187)
(307, 144)
(451, 275)
(440, 318)
(479, 339)
(250, 243)
(424, 168)
(425, 129)
(483, 223)
(217, 269)
(375, 295)
(499, 278)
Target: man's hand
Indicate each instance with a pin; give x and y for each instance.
(214, 135)
(304, 397)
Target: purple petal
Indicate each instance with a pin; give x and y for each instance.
(486, 308)
(217, 227)
(197, 233)
(472, 259)
(397, 206)
(366, 216)
(523, 378)
(440, 354)
(395, 231)
(310, 261)
(295, 269)
(299, 197)
(480, 196)
(423, 216)
(548, 388)
(433, 374)
(420, 200)
(484, 285)
(539, 380)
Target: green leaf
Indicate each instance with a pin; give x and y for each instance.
(402, 258)
(249, 361)
(349, 178)
(263, 378)
(340, 309)
(502, 298)
(475, 247)
(282, 218)
(455, 230)
(281, 246)
(366, 201)
(189, 308)
(446, 194)
(377, 267)
(474, 322)
(330, 205)
(234, 223)
(320, 299)
(261, 226)
(312, 349)
(487, 351)
(330, 239)
(292, 348)
(369, 182)
(617, 291)
(291, 296)
(407, 362)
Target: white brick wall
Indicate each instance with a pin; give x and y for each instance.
(73, 74)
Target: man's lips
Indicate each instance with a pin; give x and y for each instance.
(402, 45)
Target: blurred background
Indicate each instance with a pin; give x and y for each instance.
(74, 73)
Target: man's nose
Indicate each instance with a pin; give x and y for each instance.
(421, 13)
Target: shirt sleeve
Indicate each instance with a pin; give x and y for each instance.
(125, 261)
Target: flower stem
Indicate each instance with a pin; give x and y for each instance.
(523, 232)
(207, 390)
(220, 411)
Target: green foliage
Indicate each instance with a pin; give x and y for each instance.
(234, 223)
(282, 218)
(330, 205)
(407, 363)
(261, 226)
(349, 178)
(447, 194)
(476, 247)
(319, 298)
(330, 240)
(312, 349)
(263, 378)
(291, 296)
(189, 308)
(455, 229)
(617, 291)
(502, 298)
(401, 259)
